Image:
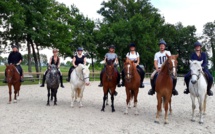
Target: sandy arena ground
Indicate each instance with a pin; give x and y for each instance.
(31, 115)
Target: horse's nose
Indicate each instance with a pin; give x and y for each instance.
(193, 81)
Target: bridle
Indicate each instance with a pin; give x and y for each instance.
(129, 73)
(84, 78)
(109, 75)
(197, 75)
(170, 70)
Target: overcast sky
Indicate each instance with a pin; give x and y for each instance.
(189, 12)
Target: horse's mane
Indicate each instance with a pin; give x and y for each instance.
(164, 64)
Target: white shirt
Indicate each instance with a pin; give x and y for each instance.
(161, 57)
(132, 57)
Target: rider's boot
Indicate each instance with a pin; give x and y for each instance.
(186, 91)
(152, 91)
(209, 92)
(61, 81)
(21, 79)
(43, 81)
(174, 91)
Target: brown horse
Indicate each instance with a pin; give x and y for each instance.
(13, 79)
(164, 85)
(109, 81)
(132, 83)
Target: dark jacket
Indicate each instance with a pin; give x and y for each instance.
(14, 57)
(203, 57)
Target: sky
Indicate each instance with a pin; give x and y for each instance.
(189, 12)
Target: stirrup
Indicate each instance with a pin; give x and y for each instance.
(68, 79)
(209, 93)
(100, 85)
(115, 93)
(151, 92)
(42, 85)
(62, 86)
(174, 92)
(142, 85)
(186, 91)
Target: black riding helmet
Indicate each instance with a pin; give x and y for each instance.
(197, 44)
(132, 45)
(112, 46)
(162, 42)
(80, 49)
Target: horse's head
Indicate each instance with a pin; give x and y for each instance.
(196, 70)
(53, 70)
(86, 73)
(172, 64)
(129, 68)
(109, 69)
(10, 70)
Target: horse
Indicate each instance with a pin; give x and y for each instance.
(132, 83)
(13, 79)
(198, 88)
(52, 81)
(79, 78)
(164, 85)
(109, 81)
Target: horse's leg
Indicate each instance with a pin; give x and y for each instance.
(15, 92)
(48, 97)
(104, 98)
(135, 101)
(52, 95)
(10, 93)
(159, 100)
(205, 101)
(112, 102)
(166, 103)
(201, 103)
(193, 106)
(107, 100)
(81, 96)
(55, 97)
(170, 106)
(72, 95)
(127, 100)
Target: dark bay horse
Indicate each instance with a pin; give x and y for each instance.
(109, 81)
(52, 81)
(132, 83)
(13, 79)
(164, 85)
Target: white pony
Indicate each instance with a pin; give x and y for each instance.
(198, 88)
(79, 78)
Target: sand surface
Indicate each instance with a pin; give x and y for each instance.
(30, 115)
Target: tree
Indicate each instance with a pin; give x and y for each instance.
(209, 39)
(127, 21)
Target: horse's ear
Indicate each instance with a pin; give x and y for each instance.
(124, 60)
(167, 56)
(176, 56)
(88, 65)
(190, 61)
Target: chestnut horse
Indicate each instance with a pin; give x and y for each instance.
(132, 83)
(164, 85)
(13, 79)
(109, 81)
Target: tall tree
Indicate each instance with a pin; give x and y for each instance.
(209, 39)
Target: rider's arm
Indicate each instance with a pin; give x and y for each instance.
(20, 56)
(205, 61)
(73, 61)
(85, 60)
(9, 58)
(116, 61)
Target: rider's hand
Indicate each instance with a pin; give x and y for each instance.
(17, 64)
(158, 70)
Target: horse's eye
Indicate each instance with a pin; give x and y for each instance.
(199, 70)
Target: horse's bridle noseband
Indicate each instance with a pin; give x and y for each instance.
(198, 76)
(131, 74)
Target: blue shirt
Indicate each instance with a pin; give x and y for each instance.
(203, 57)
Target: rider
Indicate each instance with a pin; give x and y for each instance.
(199, 55)
(15, 58)
(56, 61)
(134, 56)
(159, 59)
(111, 55)
(78, 59)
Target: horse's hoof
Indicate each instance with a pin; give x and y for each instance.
(80, 106)
(9, 102)
(15, 101)
(126, 112)
(102, 110)
(201, 122)
(113, 110)
(47, 104)
(157, 122)
(166, 122)
(192, 120)
(55, 104)
(107, 104)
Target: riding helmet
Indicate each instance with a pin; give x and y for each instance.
(112, 46)
(162, 42)
(132, 45)
(197, 44)
(80, 49)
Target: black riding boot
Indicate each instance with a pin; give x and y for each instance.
(174, 91)
(186, 91)
(43, 81)
(61, 81)
(209, 92)
(69, 74)
(152, 91)
(141, 81)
